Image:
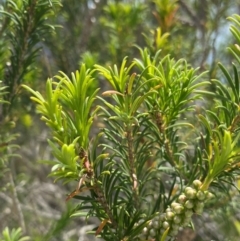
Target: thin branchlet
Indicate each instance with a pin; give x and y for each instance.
(161, 127)
(103, 202)
(132, 166)
(89, 172)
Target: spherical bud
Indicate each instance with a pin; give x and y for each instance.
(165, 225)
(178, 209)
(182, 198)
(209, 195)
(188, 213)
(177, 219)
(185, 222)
(156, 218)
(173, 233)
(161, 231)
(174, 204)
(189, 204)
(190, 193)
(162, 217)
(169, 215)
(201, 195)
(145, 230)
(156, 224)
(175, 226)
(199, 207)
(141, 221)
(197, 184)
(168, 209)
(152, 233)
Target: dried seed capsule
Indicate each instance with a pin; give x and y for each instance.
(190, 193)
(197, 184)
(182, 198)
(169, 215)
(201, 195)
(189, 204)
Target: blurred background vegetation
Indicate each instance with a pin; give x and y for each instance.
(40, 37)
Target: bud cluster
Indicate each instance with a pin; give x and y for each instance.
(180, 212)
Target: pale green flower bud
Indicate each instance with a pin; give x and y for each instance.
(173, 233)
(201, 195)
(162, 217)
(182, 198)
(189, 204)
(174, 204)
(188, 213)
(152, 233)
(209, 195)
(199, 207)
(197, 184)
(165, 225)
(185, 222)
(177, 219)
(145, 230)
(178, 209)
(156, 224)
(169, 215)
(168, 209)
(190, 193)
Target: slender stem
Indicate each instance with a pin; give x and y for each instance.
(104, 204)
(16, 202)
(161, 128)
(100, 194)
(206, 183)
(132, 166)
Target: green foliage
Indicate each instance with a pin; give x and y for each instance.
(27, 26)
(67, 111)
(24, 25)
(141, 148)
(145, 150)
(6, 147)
(121, 19)
(13, 235)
